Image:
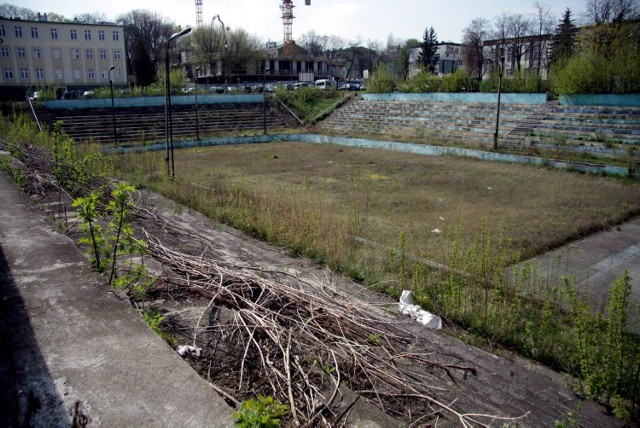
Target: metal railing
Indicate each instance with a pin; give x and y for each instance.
(33, 111)
(288, 109)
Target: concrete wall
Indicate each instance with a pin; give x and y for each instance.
(605, 100)
(462, 97)
(153, 101)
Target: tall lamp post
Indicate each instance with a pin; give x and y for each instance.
(168, 131)
(226, 49)
(264, 99)
(196, 89)
(113, 107)
(500, 66)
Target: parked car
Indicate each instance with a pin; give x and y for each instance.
(87, 94)
(325, 84)
(217, 89)
(300, 85)
(351, 86)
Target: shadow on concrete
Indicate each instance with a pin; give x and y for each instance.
(28, 394)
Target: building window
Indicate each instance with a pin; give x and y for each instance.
(54, 33)
(34, 32)
(22, 53)
(74, 35)
(116, 36)
(87, 34)
(57, 74)
(118, 73)
(116, 54)
(89, 53)
(5, 52)
(8, 73)
(39, 74)
(3, 32)
(103, 54)
(101, 35)
(56, 54)
(91, 73)
(37, 53)
(18, 30)
(104, 74)
(24, 73)
(75, 53)
(76, 74)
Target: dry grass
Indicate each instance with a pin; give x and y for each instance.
(327, 190)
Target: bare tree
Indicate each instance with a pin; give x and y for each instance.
(243, 49)
(612, 11)
(313, 43)
(474, 36)
(91, 18)
(206, 45)
(543, 26)
(148, 31)
(10, 11)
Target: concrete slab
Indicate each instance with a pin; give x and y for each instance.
(596, 261)
(71, 352)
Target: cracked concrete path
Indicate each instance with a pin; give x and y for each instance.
(71, 352)
(597, 260)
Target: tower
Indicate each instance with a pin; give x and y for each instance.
(287, 19)
(198, 13)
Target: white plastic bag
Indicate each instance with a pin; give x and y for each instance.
(407, 307)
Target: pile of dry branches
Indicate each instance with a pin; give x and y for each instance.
(305, 344)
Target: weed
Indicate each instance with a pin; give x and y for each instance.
(155, 319)
(265, 412)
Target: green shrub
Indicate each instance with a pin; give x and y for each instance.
(524, 81)
(606, 61)
(265, 412)
(459, 81)
(382, 80)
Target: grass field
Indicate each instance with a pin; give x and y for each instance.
(380, 195)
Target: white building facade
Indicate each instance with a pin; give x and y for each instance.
(63, 54)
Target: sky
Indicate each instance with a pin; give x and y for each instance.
(354, 20)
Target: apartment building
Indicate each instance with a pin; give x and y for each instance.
(529, 53)
(449, 59)
(74, 55)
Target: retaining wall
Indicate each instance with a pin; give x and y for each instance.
(461, 97)
(153, 101)
(603, 100)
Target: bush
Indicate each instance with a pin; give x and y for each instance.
(523, 81)
(459, 81)
(382, 80)
(607, 62)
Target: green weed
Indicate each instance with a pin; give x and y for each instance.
(265, 412)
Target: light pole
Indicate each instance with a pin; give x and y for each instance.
(500, 66)
(113, 107)
(226, 49)
(168, 131)
(196, 89)
(264, 98)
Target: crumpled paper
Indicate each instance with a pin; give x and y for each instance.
(188, 349)
(407, 307)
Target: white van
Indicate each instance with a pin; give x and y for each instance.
(325, 84)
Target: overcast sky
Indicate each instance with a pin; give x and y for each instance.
(352, 19)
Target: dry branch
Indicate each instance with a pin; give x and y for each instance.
(302, 342)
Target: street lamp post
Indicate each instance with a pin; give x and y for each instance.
(264, 98)
(113, 107)
(500, 66)
(196, 89)
(168, 131)
(226, 50)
